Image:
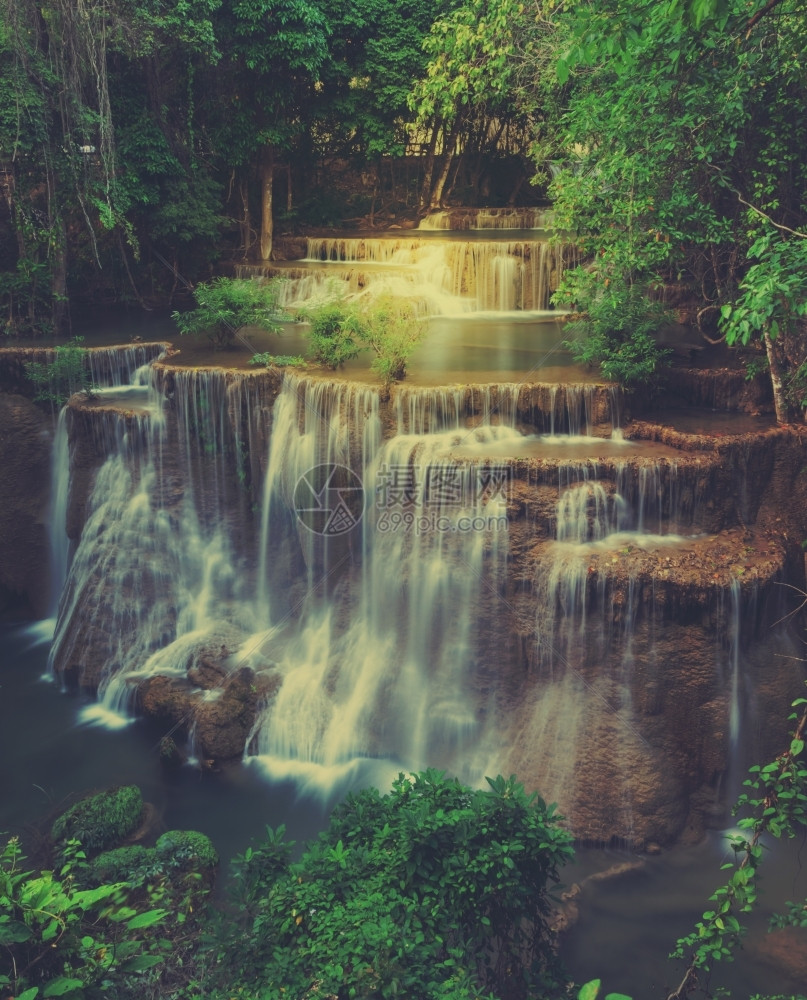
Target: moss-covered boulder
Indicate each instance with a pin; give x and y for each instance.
(131, 864)
(101, 821)
(187, 850)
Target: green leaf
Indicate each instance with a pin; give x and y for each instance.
(63, 984)
(147, 919)
(14, 932)
(589, 990)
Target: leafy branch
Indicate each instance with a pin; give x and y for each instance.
(778, 797)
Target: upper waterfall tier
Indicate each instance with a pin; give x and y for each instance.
(446, 276)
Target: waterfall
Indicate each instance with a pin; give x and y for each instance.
(379, 670)
(157, 574)
(59, 542)
(483, 576)
(449, 276)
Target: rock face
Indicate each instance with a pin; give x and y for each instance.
(611, 672)
(25, 439)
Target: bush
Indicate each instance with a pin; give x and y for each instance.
(57, 380)
(333, 333)
(102, 820)
(225, 305)
(60, 938)
(392, 329)
(434, 890)
(389, 326)
(616, 323)
(186, 849)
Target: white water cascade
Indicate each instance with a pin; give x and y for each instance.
(483, 576)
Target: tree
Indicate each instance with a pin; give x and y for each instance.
(273, 51)
(469, 96)
(432, 890)
(713, 163)
(225, 305)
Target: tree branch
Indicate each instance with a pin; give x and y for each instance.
(769, 6)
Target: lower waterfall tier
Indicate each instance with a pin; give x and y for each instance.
(502, 585)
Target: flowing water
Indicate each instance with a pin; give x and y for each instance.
(358, 553)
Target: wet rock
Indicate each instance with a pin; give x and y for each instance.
(25, 444)
(167, 699)
(223, 724)
(785, 951)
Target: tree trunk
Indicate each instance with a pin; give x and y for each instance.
(267, 174)
(784, 412)
(428, 170)
(436, 199)
(245, 222)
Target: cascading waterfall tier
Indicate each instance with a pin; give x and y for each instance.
(500, 600)
(444, 276)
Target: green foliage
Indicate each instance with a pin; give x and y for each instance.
(777, 801)
(278, 360)
(432, 890)
(225, 305)
(68, 373)
(392, 329)
(591, 990)
(101, 820)
(388, 326)
(124, 864)
(66, 940)
(615, 325)
(187, 849)
(681, 139)
(773, 293)
(333, 333)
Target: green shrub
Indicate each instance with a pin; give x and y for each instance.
(434, 890)
(102, 820)
(60, 938)
(388, 326)
(57, 380)
(333, 333)
(225, 305)
(392, 329)
(186, 849)
(615, 325)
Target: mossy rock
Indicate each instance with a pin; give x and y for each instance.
(101, 821)
(187, 850)
(125, 864)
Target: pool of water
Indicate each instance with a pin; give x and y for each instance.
(626, 927)
(48, 758)
(478, 347)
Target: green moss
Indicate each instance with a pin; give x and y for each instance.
(102, 820)
(125, 864)
(187, 849)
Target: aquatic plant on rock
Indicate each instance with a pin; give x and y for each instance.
(101, 820)
(186, 849)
